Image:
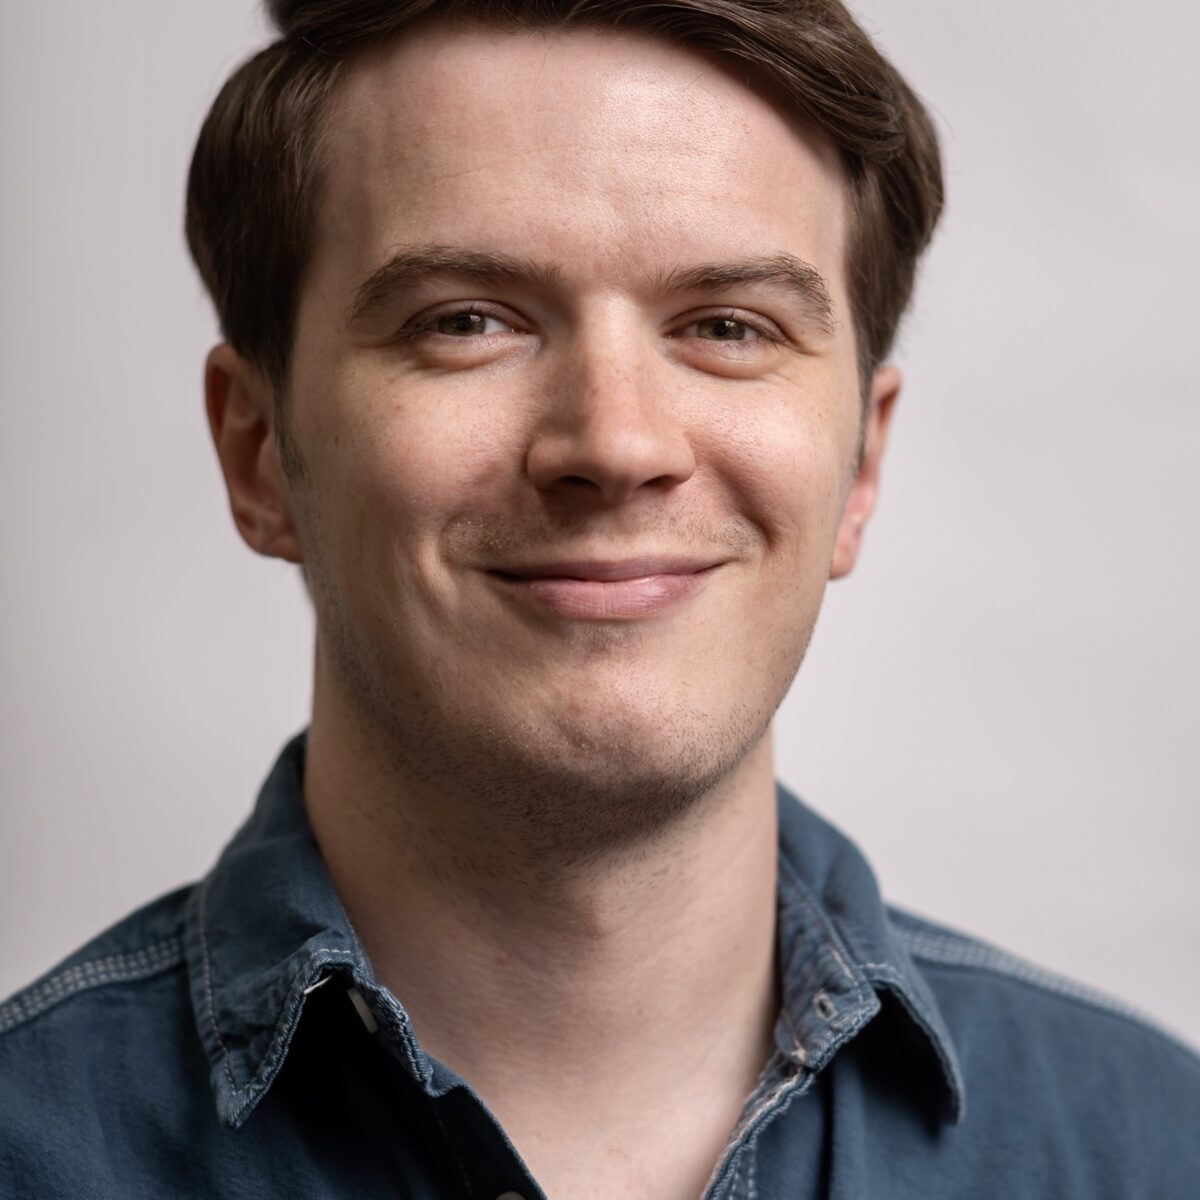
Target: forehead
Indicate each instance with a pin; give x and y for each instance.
(609, 151)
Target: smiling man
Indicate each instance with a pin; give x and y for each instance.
(555, 353)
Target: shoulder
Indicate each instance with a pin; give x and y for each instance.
(103, 1032)
(143, 945)
(972, 968)
(1053, 1059)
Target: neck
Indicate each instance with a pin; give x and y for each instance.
(646, 970)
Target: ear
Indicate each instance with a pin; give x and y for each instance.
(241, 415)
(885, 387)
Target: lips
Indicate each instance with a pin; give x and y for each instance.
(607, 589)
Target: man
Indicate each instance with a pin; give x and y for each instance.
(555, 355)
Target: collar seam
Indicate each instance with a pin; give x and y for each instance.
(202, 913)
(317, 955)
(834, 939)
(912, 1002)
(144, 962)
(860, 974)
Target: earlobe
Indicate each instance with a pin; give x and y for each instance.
(860, 503)
(240, 404)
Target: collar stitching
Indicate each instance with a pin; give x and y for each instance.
(832, 936)
(798, 1051)
(748, 1128)
(152, 959)
(917, 1010)
(212, 1007)
(318, 954)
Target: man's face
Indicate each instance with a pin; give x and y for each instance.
(575, 463)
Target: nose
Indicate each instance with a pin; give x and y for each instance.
(607, 428)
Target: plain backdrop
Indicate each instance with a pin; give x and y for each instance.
(1000, 705)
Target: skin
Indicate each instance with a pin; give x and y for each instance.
(556, 835)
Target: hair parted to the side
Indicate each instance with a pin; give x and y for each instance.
(255, 183)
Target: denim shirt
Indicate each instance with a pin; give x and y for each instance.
(231, 1040)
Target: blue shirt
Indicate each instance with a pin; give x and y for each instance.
(230, 1039)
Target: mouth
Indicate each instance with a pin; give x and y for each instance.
(607, 590)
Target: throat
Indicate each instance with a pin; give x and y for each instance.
(614, 1014)
(617, 1037)
(627, 1080)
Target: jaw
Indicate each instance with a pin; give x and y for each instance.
(542, 768)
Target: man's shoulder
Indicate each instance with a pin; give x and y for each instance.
(1035, 1041)
(106, 1013)
(99, 1059)
(1024, 1050)
(959, 963)
(147, 943)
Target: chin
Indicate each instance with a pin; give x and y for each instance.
(572, 766)
(578, 784)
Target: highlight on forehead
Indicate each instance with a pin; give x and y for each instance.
(407, 265)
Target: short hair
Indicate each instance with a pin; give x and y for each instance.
(254, 187)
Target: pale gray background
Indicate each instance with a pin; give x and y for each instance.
(1000, 705)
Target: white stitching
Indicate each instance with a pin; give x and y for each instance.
(887, 971)
(737, 1178)
(918, 1012)
(798, 1050)
(114, 968)
(741, 1141)
(338, 953)
(952, 950)
(831, 938)
(201, 901)
(745, 1125)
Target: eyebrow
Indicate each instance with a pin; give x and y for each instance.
(778, 270)
(408, 264)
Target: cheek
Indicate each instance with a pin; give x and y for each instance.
(403, 463)
(784, 465)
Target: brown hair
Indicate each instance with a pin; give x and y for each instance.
(254, 186)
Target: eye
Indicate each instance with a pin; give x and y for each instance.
(721, 329)
(465, 323)
(729, 327)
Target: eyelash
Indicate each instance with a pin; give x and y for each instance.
(425, 322)
(761, 328)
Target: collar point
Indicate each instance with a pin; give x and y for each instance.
(234, 1105)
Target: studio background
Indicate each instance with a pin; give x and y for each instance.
(1000, 705)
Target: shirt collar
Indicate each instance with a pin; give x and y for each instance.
(261, 931)
(266, 926)
(840, 959)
